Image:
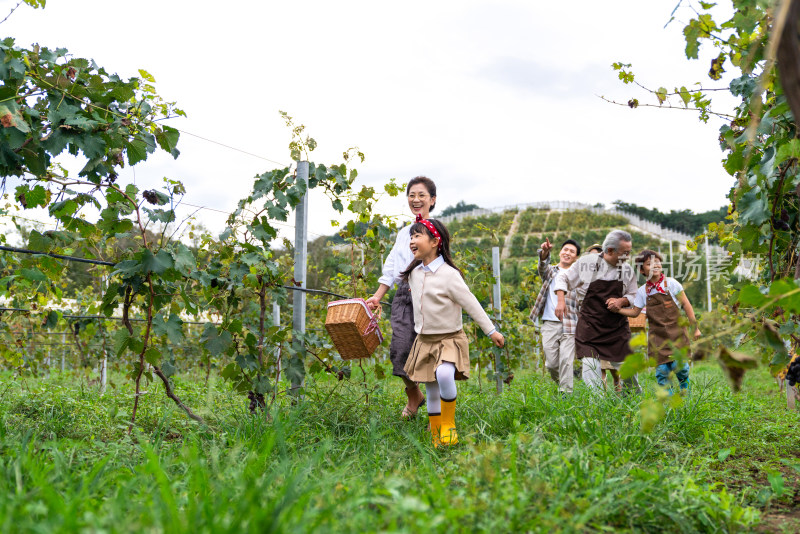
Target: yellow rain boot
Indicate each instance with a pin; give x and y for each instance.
(448, 434)
(435, 425)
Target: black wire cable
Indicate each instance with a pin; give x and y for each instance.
(303, 289)
(323, 292)
(209, 208)
(99, 262)
(228, 147)
(53, 255)
(76, 317)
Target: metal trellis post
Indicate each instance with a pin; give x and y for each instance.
(497, 310)
(104, 372)
(708, 276)
(300, 257)
(276, 321)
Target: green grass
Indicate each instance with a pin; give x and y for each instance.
(529, 461)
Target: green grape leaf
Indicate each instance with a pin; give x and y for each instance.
(172, 327)
(156, 263)
(751, 296)
(33, 274)
(215, 342)
(168, 368)
(152, 356)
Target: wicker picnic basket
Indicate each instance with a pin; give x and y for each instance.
(353, 328)
(638, 323)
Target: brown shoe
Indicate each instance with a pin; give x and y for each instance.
(414, 402)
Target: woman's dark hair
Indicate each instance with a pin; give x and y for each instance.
(645, 255)
(444, 248)
(429, 185)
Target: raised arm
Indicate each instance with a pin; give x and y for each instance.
(544, 259)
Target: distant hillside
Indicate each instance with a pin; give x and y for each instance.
(519, 232)
(531, 226)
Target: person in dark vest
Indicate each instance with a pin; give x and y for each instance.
(421, 195)
(664, 297)
(605, 283)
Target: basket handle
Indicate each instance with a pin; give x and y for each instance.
(373, 321)
(373, 324)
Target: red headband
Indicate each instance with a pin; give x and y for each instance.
(429, 225)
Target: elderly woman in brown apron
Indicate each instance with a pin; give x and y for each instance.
(421, 195)
(663, 296)
(605, 283)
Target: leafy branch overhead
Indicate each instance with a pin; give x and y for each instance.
(52, 102)
(680, 98)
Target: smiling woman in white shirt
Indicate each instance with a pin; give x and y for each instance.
(421, 194)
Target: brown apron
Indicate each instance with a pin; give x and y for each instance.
(601, 333)
(664, 334)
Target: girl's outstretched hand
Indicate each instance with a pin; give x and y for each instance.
(498, 339)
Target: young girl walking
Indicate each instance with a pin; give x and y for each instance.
(662, 296)
(440, 354)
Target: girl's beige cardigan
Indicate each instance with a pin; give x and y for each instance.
(438, 298)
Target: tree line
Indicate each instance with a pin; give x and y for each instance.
(685, 221)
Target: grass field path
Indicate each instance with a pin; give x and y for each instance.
(511, 232)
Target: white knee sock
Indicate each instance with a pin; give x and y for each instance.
(446, 377)
(434, 402)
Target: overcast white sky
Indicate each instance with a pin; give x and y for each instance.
(495, 100)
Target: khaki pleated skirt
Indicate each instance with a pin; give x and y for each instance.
(430, 350)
